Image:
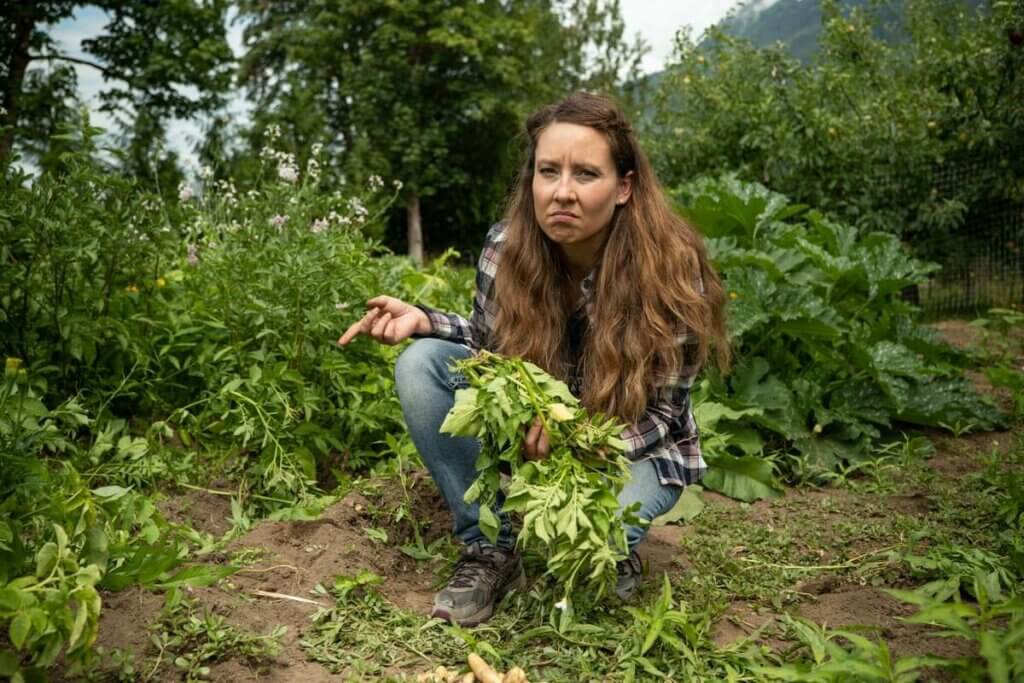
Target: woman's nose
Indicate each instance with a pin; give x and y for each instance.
(564, 190)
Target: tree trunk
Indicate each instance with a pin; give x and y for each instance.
(15, 76)
(412, 208)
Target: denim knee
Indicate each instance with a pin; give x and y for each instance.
(428, 359)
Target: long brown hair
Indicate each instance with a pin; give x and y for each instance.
(646, 287)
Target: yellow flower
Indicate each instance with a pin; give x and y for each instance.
(160, 282)
(13, 363)
(686, 80)
(131, 289)
(932, 124)
(734, 296)
(831, 130)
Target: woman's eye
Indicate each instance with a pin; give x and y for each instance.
(547, 171)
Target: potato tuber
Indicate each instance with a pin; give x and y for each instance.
(482, 670)
(514, 675)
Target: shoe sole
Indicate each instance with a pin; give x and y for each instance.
(479, 617)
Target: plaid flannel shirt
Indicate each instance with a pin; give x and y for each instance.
(666, 433)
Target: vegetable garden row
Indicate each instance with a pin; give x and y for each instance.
(155, 348)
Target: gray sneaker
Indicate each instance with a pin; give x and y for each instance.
(631, 574)
(481, 577)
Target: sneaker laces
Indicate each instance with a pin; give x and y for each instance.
(476, 560)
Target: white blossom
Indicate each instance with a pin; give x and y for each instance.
(313, 169)
(358, 209)
(319, 225)
(278, 221)
(375, 182)
(287, 172)
(184, 191)
(562, 604)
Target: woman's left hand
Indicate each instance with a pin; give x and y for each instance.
(536, 443)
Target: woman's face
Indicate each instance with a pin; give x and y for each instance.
(576, 188)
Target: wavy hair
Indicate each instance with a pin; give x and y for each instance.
(647, 282)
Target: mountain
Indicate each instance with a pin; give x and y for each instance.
(797, 23)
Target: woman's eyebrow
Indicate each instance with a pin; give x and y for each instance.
(577, 165)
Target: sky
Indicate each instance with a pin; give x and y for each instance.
(656, 21)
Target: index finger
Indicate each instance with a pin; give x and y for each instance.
(350, 333)
(361, 325)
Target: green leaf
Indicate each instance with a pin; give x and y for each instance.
(110, 493)
(708, 413)
(995, 653)
(8, 663)
(231, 386)
(12, 600)
(78, 629)
(46, 560)
(306, 461)
(747, 478)
(379, 535)
(197, 576)
(21, 626)
(489, 523)
(461, 418)
(687, 508)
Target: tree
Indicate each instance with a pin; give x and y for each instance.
(864, 128)
(169, 58)
(427, 91)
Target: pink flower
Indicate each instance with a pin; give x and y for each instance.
(193, 255)
(278, 221)
(319, 225)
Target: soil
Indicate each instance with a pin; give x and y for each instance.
(293, 557)
(203, 510)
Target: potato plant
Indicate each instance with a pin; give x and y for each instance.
(569, 500)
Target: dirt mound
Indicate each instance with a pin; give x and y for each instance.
(292, 558)
(204, 510)
(881, 614)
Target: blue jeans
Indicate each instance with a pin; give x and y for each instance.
(426, 389)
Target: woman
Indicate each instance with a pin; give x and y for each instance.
(592, 277)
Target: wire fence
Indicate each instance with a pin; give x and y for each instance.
(982, 261)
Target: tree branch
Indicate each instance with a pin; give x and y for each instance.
(107, 73)
(75, 60)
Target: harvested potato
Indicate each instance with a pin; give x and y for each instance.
(482, 670)
(514, 675)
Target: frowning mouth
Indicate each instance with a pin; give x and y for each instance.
(563, 215)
